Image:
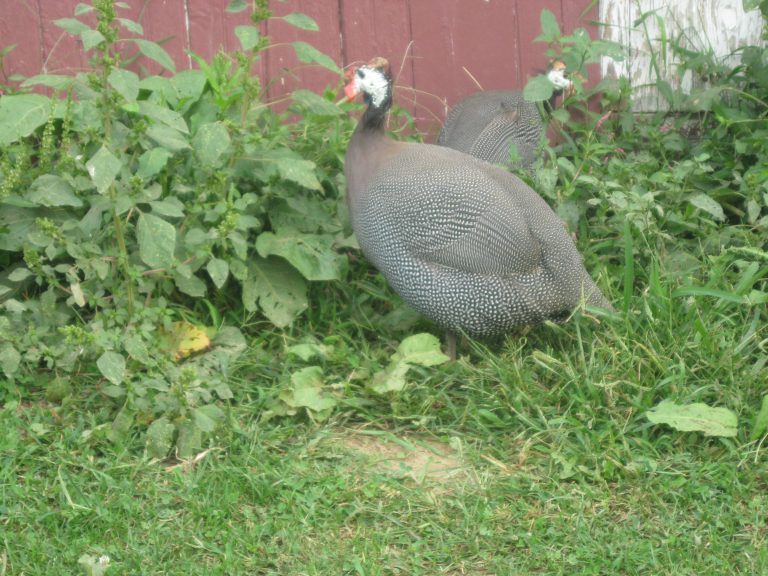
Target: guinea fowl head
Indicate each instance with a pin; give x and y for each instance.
(374, 81)
(558, 76)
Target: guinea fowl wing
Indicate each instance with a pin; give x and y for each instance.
(494, 142)
(455, 211)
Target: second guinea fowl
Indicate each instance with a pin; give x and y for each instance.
(487, 124)
(465, 243)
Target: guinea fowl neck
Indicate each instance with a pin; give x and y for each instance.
(368, 149)
(374, 116)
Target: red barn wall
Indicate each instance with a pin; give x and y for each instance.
(436, 47)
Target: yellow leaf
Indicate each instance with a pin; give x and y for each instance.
(185, 339)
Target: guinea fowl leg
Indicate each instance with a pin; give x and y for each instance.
(450, 344)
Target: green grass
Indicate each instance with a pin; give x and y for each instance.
(549, 463)
(563, 473)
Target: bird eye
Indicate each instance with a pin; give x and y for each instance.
(360, 73)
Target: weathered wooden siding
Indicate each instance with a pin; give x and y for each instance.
(719, 26)
(435, 46)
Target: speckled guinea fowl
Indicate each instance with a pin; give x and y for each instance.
(487, 124)
(464, 242)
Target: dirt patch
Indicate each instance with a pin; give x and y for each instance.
(424, 460)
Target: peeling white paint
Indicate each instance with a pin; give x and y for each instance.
(716, 26)
(187, 32)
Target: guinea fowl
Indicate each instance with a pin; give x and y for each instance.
(465, 243)
(487, 124)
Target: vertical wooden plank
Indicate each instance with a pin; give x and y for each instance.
(62, 53)
(453, 35)
(533, 59)
(20, 25)
(212, 29)
(164, 22)
(284, 71)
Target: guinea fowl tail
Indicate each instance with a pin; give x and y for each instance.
(594, 297)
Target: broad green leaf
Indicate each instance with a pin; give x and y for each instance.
(152, 162)
(16, 224)
(302, 21)
(55, 81)
(22, 114)
(9, 359)
(237, 6)
(211, 142)
(171, 207)
(192, 285)
(112, 367)
(392, 379)
(189, 439)
(315, 104)
(416, 350)
(308, 390)
(168, 138)
(550, 30)
(125, 83)
(160, 437)
(137, 349)
(131, 26)
(103, 168)
(292, 167)
(309, 54)
(708, 205)
(760, 425)
(52, 190)
(703, 100)
(164, 115)
(81, 9)
(310, 254)
(207, 417)
(77, 293)
(162, 87)
(249, 36)
(157, 241)
(71, 25)
(305, 213)
(218, 270)
(230, 337)
(20, 274)
(695, 418)
(302, 172)
(277, 288)
(189, 85)
(307, 350)
(421, 350)
(538, 89)
(155, 52)
(91, 39)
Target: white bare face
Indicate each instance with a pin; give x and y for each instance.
(557, 77)
(373, 82)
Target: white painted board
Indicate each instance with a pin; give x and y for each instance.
(719, 26)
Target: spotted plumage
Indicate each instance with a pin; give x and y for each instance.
(487, 124)
(465, 243)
